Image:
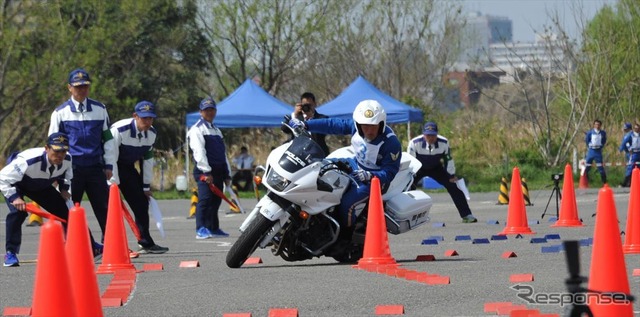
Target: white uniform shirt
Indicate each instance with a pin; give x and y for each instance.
(132, 145)
(30, 169)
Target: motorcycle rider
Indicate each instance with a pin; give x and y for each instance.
(378, 152)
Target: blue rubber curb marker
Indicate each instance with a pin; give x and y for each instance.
(429, 241)
(480, 241)
(437, 224)
(439, 238)
(550, 249)
(586, 242)
(498, 237)
(462, 238)
(552, 236)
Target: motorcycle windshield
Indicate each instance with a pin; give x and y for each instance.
(302, 152)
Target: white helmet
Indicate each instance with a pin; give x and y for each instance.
(369, 112)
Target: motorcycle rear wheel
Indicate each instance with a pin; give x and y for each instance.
(248, 241)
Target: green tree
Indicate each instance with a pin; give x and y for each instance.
(610, 75)
(33, 51)
(134, 50)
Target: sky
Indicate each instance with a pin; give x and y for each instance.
(527, 15)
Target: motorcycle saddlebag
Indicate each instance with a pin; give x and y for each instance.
(407, 210)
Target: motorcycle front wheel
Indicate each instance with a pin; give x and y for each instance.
(248, 241)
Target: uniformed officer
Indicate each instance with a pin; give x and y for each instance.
(626, 129)
(86, 122)
(631, 142)
(595, 139)
(32, 173)
(432, 150)
(210, 156)
(133, 140)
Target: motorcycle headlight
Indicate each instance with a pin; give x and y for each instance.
(276, 181)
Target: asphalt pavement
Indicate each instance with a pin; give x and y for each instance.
(478, 274)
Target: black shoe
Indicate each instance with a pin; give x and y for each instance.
(154, 249)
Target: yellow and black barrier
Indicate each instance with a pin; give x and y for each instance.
(525, 193)
(194, 202)
(503, 197)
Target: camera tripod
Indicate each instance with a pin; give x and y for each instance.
(558, 195)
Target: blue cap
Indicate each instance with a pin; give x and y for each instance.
(58, 141)
(430, 128)
(207, 103)
(79, 77)
(627, 126)
(145, 109)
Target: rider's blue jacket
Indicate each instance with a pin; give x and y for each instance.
(381, 156)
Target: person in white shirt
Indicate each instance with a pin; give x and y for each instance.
(432, 150)
(631, 142)
(211, 165)
(134, 139)
(32, 173)
(244, 166)
(595, 139)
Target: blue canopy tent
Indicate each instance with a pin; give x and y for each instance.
(360, 89)
(248, 106)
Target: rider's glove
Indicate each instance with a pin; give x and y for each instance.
(362, 175)
(344, 166)
(295, 123)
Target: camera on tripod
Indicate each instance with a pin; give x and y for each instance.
(555, 192)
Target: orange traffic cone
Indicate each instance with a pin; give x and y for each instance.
(584, 182)
(517, 214)
(116, 250)
(84, 282)
(608, 270)
(376, 242)
(52, 293)
(568, 214)
(632, 236)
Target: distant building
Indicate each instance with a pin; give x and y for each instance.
(490, 57)
(546, 55)
(480, 31)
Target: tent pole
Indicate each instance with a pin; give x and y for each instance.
(408, 131)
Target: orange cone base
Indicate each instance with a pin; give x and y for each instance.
(584, 183)
(516, 230)
(631, 248)
(112, 268)
(568, 223)
(370, 262)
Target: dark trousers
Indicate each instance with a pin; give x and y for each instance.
(442, 177)
(595, 155)
(92, 180)
(208, 203)
(131, 188)
(48, 198)
(243, 176)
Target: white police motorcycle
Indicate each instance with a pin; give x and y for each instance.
(296, 218)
